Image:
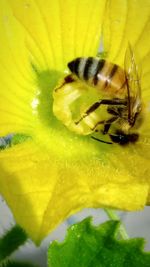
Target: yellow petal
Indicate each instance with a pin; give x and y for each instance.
(16, 77)
(126, 22)
(42, 189)
(61, 30)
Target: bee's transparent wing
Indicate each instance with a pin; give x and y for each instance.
(133, 75)
(133, 71)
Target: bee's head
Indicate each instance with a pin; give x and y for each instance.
(122, 138)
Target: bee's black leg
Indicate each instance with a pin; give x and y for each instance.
(68, 79)
(106, 123)
(106, 128)
(113, 110)
(115, 101)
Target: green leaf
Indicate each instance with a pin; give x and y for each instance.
(90, 246)
(11, 241)
(12, 139)
(19, 138)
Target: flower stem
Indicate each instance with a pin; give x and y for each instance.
(113, 216)
(11, 241)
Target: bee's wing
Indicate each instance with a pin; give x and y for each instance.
(133, 74)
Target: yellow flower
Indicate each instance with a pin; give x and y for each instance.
(56, 172)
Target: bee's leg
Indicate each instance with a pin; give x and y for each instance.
(106, 128)
(106, 123)
(98, 123)
(68, 79)
(96, 105)
(113, 110)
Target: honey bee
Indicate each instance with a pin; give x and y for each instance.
(120, 92)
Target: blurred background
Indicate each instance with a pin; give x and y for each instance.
(137, 225)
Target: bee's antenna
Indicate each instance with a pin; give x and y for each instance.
(102, 141)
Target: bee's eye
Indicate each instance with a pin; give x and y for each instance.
(121, 139)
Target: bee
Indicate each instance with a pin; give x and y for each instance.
(121, 91)
(115, 110)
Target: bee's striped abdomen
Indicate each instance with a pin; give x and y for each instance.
(99, 73)
(85, 68)
(99, 68)
(74, 65)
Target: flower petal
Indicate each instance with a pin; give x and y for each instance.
(62, 30)
(16, 78)
(123, 26)
(42, 189)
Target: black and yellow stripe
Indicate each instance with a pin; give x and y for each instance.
(99, 68)
(99, 73)
(86, 68)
